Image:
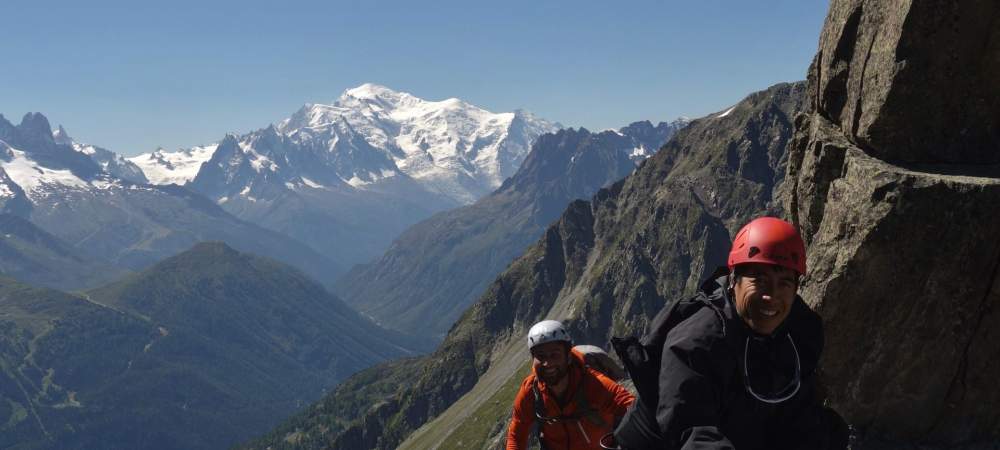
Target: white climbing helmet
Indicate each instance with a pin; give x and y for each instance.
(547, 331)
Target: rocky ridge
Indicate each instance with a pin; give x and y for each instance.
(109, 161)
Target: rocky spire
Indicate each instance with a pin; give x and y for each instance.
(36, 126)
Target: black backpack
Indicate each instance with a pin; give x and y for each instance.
(641, 359)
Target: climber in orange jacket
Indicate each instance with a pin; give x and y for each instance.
(574, 405)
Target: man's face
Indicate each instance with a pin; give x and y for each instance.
(764, 294)
(551, 361)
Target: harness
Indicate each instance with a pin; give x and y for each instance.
(583, 408)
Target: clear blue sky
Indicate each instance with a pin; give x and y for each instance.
(131, 76)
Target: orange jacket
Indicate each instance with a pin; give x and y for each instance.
(608, 398)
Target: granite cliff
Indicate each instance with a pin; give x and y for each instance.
(894, 181)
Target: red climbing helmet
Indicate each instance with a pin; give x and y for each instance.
(771, 241)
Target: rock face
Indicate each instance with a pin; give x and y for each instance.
(903, 249)
(914, 82)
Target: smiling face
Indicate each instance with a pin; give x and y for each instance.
(551, 361)
(763, 294)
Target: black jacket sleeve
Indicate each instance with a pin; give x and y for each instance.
(693, 376)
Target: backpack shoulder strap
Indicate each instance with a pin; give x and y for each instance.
(539, 402)
(583, 407)
(539, 410)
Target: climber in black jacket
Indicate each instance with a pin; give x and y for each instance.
(737, 361)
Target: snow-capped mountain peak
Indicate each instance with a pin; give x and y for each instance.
(371, 133)
(34, 175)
(38, 163)
(375, 93)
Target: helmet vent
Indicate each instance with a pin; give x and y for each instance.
(754, 251)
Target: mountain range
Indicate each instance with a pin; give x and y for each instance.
(48, 180)
(348, 177)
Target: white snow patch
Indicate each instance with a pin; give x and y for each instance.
(260, 163)
(106, 183)
(33, 178)
(357, 182)
(726, 113)
(177, 167)
(222, 200)
(289, 185)
(246, 194)
(84, 148)
(312, 183)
